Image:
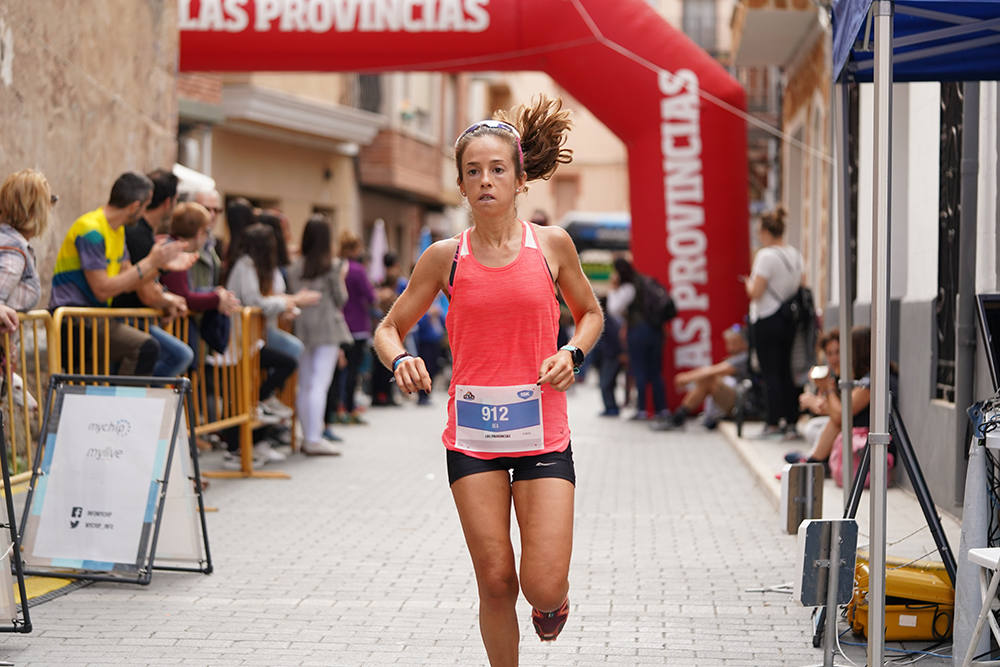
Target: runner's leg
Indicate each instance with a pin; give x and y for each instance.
(483, 502)
(544, 510)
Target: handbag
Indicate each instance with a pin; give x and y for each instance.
(859, 438)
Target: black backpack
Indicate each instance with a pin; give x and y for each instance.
(655, 304)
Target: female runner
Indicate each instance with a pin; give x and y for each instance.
(507, 436)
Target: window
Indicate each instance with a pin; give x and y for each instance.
(949, 215)
(370, 92)
(698, 23)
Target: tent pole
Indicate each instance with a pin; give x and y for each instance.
(842, 178)
(965, 311)
(878, 437)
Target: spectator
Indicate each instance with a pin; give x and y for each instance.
(239, 216)
(256, 282)
(607, 356)
(358, 313)
(25, 206)
(644, 339)
(93, 267)
(774, 278)
(717, 386)
(388, 290)
(828, 449)
(823, 378)
(430, 335)
(175, 356)
(206, 273)
(189, 226)
(321, 329)
(272, 218)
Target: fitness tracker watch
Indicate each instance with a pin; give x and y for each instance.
(577, 356)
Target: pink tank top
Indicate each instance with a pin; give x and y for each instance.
(502, 323)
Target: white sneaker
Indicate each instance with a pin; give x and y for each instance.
(321, 447)
(231, 461)
(264, 450)
(275, 407)
(265, 417)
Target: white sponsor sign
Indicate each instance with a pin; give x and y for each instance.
(180, 536)
(101, 483)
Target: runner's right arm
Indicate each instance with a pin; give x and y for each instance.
(430, 276)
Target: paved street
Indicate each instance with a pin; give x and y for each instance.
(360, 561)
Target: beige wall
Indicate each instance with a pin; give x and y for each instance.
(75, 109)
(322, 87)
(291, 176)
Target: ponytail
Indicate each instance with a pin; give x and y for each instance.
(543, 125)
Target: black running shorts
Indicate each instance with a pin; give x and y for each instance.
(552, 464)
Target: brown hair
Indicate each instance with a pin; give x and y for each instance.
(827, 337)
(349, 244)
(861, 351)
(260, 246)
(543, 125)
(25, 202)
(773, 222)
(188, 219)
(317, 246)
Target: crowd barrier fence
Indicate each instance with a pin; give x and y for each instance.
(78, 341)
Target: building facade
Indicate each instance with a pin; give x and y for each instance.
(932, 227)
(78, 114)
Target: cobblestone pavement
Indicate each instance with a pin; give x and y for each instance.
(359, 560)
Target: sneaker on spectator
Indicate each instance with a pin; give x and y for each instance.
(231, 461)
(321, 447)
(328, 434)
(265, 417)
(274, 406)
(264, 450)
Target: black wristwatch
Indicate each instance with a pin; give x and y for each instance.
(578, 356)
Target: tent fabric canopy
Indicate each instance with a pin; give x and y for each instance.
(933, 40)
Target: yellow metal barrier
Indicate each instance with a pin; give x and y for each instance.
(82, 336)
(224, 385)
(29, 359)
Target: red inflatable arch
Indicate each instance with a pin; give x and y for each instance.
(666, 99)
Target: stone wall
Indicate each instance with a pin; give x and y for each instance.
(87, 91)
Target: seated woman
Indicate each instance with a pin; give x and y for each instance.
(829, 447)
(25, 204)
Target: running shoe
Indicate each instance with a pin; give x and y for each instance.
(548, 624)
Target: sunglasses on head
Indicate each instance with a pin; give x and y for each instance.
(494, 124)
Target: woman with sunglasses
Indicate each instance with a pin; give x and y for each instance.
(26, 203)
(507, 436)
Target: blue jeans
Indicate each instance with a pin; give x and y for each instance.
(284, 342)
(645, 359)
(175, 356)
